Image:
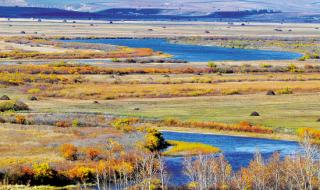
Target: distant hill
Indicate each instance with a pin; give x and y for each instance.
(196, 7)
(35, 12)
(130, 11)
(153, 14)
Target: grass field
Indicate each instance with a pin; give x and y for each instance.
(296, 110)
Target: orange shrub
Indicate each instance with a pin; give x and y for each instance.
(20, 119)
(93, 153)
(26, 170)
(63, 124)
(69, 151)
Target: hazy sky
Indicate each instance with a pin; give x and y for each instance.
(197, 5)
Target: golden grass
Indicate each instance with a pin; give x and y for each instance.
(180, 148)
(116, 91)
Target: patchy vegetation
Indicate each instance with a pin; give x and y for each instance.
(65, 50)
(59, 156)
(241, 127)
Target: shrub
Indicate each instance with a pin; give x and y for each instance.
(255, 114)
(81, 174)
(33, 98)
(271, 93)
(20, 119)
(230, 92)
(42, 171)
(122, 123)
(212, 65)
(303, 58)
(293, 68)
(115, 60)
(285, 91)
(69, 151)
(63, 124)
(93, 153)
(154, 141)
(13, 105)
(4, 97)
(75, 123)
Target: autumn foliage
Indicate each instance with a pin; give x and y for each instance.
(93, 153)
(69, 151)
(310, 132)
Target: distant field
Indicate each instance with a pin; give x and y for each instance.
(159, 29)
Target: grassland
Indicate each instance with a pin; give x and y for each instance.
(227, 98)
(89, 107)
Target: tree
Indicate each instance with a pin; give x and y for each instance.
(208, 172)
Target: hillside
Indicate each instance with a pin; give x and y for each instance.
(264, 15)
(190, 6)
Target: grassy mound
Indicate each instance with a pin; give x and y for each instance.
(180, 148)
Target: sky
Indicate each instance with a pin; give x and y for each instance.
(189, 5)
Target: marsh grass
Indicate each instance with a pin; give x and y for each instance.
(180, 148)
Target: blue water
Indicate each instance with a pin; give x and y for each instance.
(197, 53)
(237, 150)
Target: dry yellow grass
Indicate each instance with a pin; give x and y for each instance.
(180, 148)
(20, 145)
(115, 91)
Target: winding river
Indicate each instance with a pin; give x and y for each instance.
(197, 53)
(237, 150)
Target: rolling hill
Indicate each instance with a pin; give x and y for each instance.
(265, 15)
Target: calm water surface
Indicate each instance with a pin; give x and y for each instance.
(237, 150)
(197, 53)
